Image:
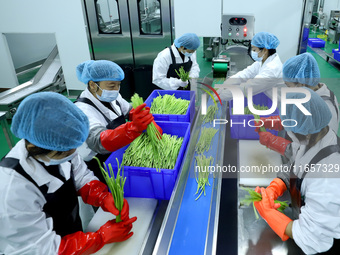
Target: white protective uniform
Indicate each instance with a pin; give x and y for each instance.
(161, 65)
(24, 227)
(319, 220)
(92, 145)
(334, 123)
(261, 77)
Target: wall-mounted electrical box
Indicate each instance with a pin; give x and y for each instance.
(238, 26)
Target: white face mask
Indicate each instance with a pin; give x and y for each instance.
(108, 95)
(187, 54)
(255, 56)
(53, 162)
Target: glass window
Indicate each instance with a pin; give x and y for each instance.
(150, 17)
(108, 17)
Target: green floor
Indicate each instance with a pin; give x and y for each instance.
(330, 75)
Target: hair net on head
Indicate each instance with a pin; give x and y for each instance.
(50, 121)
(99, 70)
(188, 40)
(307, 124)
(302, 69)
(265, 40)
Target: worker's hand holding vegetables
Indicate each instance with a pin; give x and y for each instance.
(274, 142)
(96, 193)
(90, 242)
(114, 139)
(271, 123)
(181, 83)
(276, 188)
(275, 219)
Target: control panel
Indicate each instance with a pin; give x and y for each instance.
(238, 26)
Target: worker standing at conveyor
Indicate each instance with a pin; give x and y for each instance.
(264, 74)
(303, 71)
(107, 112)
(41, 178)
(315, 227)
(181, 54)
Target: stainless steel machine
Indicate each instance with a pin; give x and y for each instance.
(230, 52)
(130, 33)
(334, 26)
(49, 78)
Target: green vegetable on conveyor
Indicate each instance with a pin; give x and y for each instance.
(253, 196)
(257, 107)
(211, 112)
(169, 104)
(140, 153)
(202, 179)
(116, 185)
(204, 143)
(183, 75)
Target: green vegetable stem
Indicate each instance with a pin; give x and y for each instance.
(183, 75)
(169, 104)
(202, 180)
(253, 196)
(116, 185)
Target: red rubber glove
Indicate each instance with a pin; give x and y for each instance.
(276, 188)
(96, 193)
(88, 243)
(114, 139)
(274, 142)
(275, 219)
(271, 123)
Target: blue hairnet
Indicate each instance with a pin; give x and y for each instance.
(302, 69)
(188, 40)
(99, 70)
(50, 121)
(265, 40)
(307, 124)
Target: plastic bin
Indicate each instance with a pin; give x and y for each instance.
(335, 50)
(188, 95)
(238, 131)
(337, 56)
(316, 43)
(147, 182)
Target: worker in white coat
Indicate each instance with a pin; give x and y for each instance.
(181, 54)
(264, 74)
(107, 112)
(303, 71)
(313, 180)
(41, 178)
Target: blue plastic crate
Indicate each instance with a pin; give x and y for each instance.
(316, 43)
(238, 131)
(147, 182)
(184, 94)
(337, 56)
(335, 50)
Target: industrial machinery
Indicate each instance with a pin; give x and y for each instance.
(49, 78)
(334, 26)
(230, 52)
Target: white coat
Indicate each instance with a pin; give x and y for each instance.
(260, 77)
(334, 123)
(24, 227)
(161, 65)
(319, 220)
(98, 123)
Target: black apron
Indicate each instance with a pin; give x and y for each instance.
(112, 124)
(62, 205)
(172, 67)
(296, 183)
